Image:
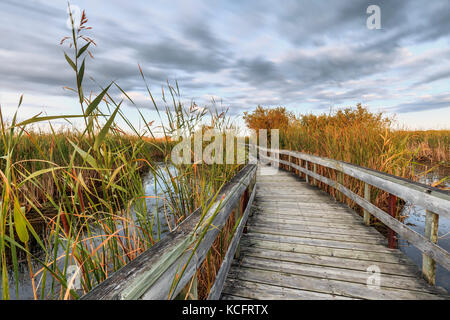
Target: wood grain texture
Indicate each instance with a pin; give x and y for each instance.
(420, 242)
(430, 198)
(301, 244)
(151, 274)
(216, 289)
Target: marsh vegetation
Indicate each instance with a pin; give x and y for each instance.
(80, 197)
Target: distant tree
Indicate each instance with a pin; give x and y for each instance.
(266, 118)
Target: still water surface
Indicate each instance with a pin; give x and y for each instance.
(415, 219)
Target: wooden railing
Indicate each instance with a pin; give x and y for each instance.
(169, 269)
(436, 202)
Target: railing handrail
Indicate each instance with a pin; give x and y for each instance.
(428, 197)
(406, 190)
(151, 274)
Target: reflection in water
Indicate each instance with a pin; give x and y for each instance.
(415, 219)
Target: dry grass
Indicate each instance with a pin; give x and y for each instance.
(360, 137)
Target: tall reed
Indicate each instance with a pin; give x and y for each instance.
(91, 182)
(360, 137)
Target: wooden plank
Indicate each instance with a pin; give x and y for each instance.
(281, 249)
(298, 227)
(232, 297)
(313, 214)
(314, 235)
(292, 202)
(329, 286)
(305, 219)
(276, 178)
(393, 257)
(217, 287)
(147, 265)
(274, 220)
(309, 211)
(315, 171)
(261, 291)
(420, 242)
(131, 281)
(341, 274)
(303, 198)
(367, 197)
(319, 218)
(431, 232)
(295, 189)
(425, 196)
(406, 270)
(321, 243)
(191, 260)
(306, 176)
(332, 205)
(299, 210)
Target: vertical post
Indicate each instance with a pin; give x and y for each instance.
(392, 239)
(367, 197)
(306, 176)
(431, 232)
(340, 181)
(315, 171)
(301, 165)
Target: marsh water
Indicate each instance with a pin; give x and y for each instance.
(161, 226)
(414, 218)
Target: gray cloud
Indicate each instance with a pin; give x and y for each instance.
(320, 53)
(258, 71)
(171, 54)
(425, 104)
(439, 75)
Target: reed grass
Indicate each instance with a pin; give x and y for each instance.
(91, 183)
(360, 137)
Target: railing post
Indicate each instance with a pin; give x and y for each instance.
(392, 239)
(340, 181)
(431, 232)
(306, 176)
(367, 197)
(315, 171)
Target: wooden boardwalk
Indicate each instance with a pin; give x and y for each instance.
(301, 244)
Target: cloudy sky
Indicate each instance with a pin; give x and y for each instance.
(306, 55)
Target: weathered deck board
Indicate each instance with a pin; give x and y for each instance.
(301, 244)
